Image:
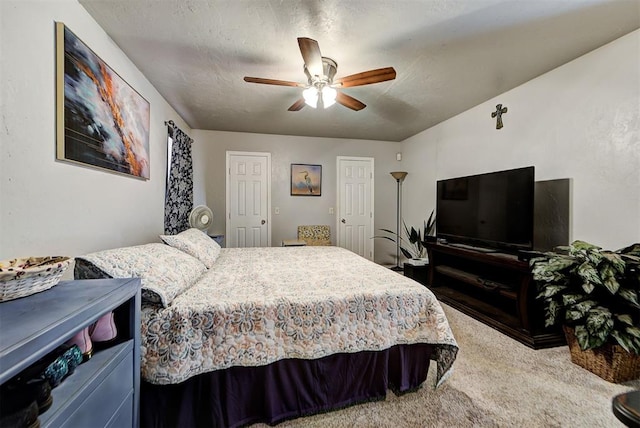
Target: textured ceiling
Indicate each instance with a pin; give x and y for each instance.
(449, 55)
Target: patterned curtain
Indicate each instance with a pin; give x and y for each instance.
(178, 200)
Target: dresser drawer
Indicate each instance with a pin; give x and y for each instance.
(124, 415)
(98, 409)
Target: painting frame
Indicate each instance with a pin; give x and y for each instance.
(101, 121)
(306, 179)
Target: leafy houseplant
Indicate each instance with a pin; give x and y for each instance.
(413, 246)
(594, 294)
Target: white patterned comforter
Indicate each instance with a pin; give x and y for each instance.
(259, 305)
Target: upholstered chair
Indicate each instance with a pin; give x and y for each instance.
(315, 234)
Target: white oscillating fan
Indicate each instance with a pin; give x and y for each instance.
(201, 217)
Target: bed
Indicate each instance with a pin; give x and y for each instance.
(237, 336)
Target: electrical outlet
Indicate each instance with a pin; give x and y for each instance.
(277, 210)
(331, 210)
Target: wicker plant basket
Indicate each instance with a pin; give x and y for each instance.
(610, 361)
(29, 275)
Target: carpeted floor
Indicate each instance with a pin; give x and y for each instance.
(497, 382)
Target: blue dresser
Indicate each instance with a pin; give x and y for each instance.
(102, 392)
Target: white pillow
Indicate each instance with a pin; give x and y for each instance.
(165, 271)
(195, 243)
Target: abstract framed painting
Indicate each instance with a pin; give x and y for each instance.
(306, 180)
(101, 121)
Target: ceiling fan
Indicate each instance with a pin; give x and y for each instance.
(321, 88)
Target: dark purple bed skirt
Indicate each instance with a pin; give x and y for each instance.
(285, 389)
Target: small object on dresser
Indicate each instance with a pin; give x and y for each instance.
(53, 367)
(56, 371)
(103, 333)
(28, 390)
(19, 411)
(82, 340)
(71, 354)
(25, 276)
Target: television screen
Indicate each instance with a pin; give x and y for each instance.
(493, 210)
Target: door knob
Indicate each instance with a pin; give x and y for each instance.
(263, 222)
(344, 221)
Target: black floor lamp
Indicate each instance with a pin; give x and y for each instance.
(399, 176)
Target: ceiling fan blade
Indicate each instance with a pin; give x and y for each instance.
(366, 77)
(349, 102)
(297, 106)
(311, 54)
(273, 82)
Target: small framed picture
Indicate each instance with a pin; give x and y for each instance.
(306, 180)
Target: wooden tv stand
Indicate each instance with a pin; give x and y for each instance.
(495, 288)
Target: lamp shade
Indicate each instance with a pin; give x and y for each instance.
(399, 175)
(310, 96)
(329, 96)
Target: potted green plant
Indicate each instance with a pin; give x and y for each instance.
(413, 245)
(594, 294)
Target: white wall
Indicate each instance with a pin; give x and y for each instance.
(55, 208)
(295, 210)
(50, 207)
(579, 121)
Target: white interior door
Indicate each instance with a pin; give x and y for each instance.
(355, 205)
(248, 199)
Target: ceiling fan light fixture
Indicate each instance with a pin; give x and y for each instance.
(311, 96)
(329, 96)
(320, 88)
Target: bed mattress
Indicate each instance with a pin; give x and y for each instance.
(256, 306)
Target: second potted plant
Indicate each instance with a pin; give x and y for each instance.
(594, 294)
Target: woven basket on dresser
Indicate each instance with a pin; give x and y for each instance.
(22, 277)
(611, 362)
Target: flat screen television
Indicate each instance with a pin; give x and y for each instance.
(491, 211)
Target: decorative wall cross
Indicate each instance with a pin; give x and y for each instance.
(498, 114)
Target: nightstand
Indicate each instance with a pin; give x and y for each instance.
(219, 239)
(293, 243)
(417, 272)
